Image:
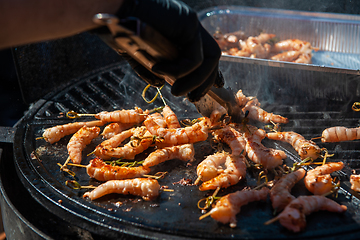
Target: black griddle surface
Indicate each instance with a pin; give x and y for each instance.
(175, 214)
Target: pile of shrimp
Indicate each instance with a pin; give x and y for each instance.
(264, 46)
(239, 149)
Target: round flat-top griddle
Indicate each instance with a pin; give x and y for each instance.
(175, 215)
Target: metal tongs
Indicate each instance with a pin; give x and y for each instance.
(138, 40)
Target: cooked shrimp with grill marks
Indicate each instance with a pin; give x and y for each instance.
(101, 171)
(159, 119)
(269, 158)
(216, 115)
(318, 180)
(234, 172)
(241, 99)
(170, 118)
(231, 137)
(55, 133)
(132, 148)
(290, 45)
(294, 215)
(136, 115)
(355, 182)
(183, 152)
(147, 188)
(211, 167)
(339, 134)
(288, 56)
(305, 148)
(176, 136)
(258, 114)
(229, 206)
(113, 142)
(79, 141)
(257, 46)
(114, 128)
(252, 105)
(280, 193)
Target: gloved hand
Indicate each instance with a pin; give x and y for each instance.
(196, 68)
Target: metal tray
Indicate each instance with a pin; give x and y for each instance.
(336, 35)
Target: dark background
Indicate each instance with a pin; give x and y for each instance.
(43, 67)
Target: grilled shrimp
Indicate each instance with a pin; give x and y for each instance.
(101, 171)
(305, 148)
(216, 114)
(288, 56)
(269, 158)
(241, 99)
(231, 137)
(79, 140)
(114, 128)
(257, 46)
(318, 180)
(234, 172)
(170, 118)
(147, 188)
(183, 152)
(124, 116)
(54, 134)
(113, 142)
(294, 215)
(159, 119)
(229, 206)
(130, 150)
(290, 45)
(176, 136)
(257, 113)
(304, 58)
(339, 134)
(355, 182)
(280, 193)
(210, 167)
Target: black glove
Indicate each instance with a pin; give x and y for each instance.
(196, 68)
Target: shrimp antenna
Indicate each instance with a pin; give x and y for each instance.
(157, 175)
(272, 220)
(315, 138)
(205, 215)
(72, 114)
(154, 98)
(75, 185)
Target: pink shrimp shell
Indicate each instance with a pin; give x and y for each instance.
(147, 188)
(293, 216)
